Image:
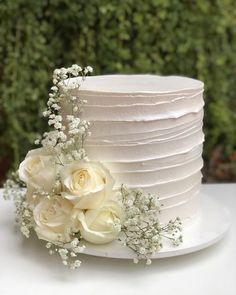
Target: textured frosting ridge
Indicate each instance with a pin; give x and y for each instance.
(147, 130)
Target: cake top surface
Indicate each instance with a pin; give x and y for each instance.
(138, 84)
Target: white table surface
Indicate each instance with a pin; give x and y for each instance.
(26, 267)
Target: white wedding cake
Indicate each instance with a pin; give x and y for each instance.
(119, 171)
(147, 130)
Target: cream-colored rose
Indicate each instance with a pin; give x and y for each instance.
(38, 170)
(102, 225)
(53, 219)
(86, 184)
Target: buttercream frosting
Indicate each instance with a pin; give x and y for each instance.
(147, 130)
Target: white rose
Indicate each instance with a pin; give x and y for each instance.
(53, 219)
(102, 225)
(38, 170)
(86, 184)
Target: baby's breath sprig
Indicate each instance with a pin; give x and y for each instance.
(70, 131)
(69, 253)
(141, 230)
(24, 216)
(15, 189)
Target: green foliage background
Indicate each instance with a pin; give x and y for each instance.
(192, 38)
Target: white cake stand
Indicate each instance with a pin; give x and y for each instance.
(210, 226)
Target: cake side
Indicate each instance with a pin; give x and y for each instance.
(149, 139)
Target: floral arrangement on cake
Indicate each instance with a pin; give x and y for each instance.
(66, 199)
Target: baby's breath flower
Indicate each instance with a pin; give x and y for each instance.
(79, 249)
(68, 252)
(75, 130)
(141, 230)
(54, 88)
(63, 253)
(65, 262)
(56, 107)
(56, 72)
(25, 231)
(74, 243)
(88, 69)
(77, 263)
(149, 261)
(37, 141)
(46, 113)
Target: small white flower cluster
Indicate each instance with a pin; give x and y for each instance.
(73, 71)
(69, 132)
(13, 187)
(141, 230)
(24, 216)
(68, 252)
(172, 231)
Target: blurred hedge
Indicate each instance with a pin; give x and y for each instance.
(192, 38)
